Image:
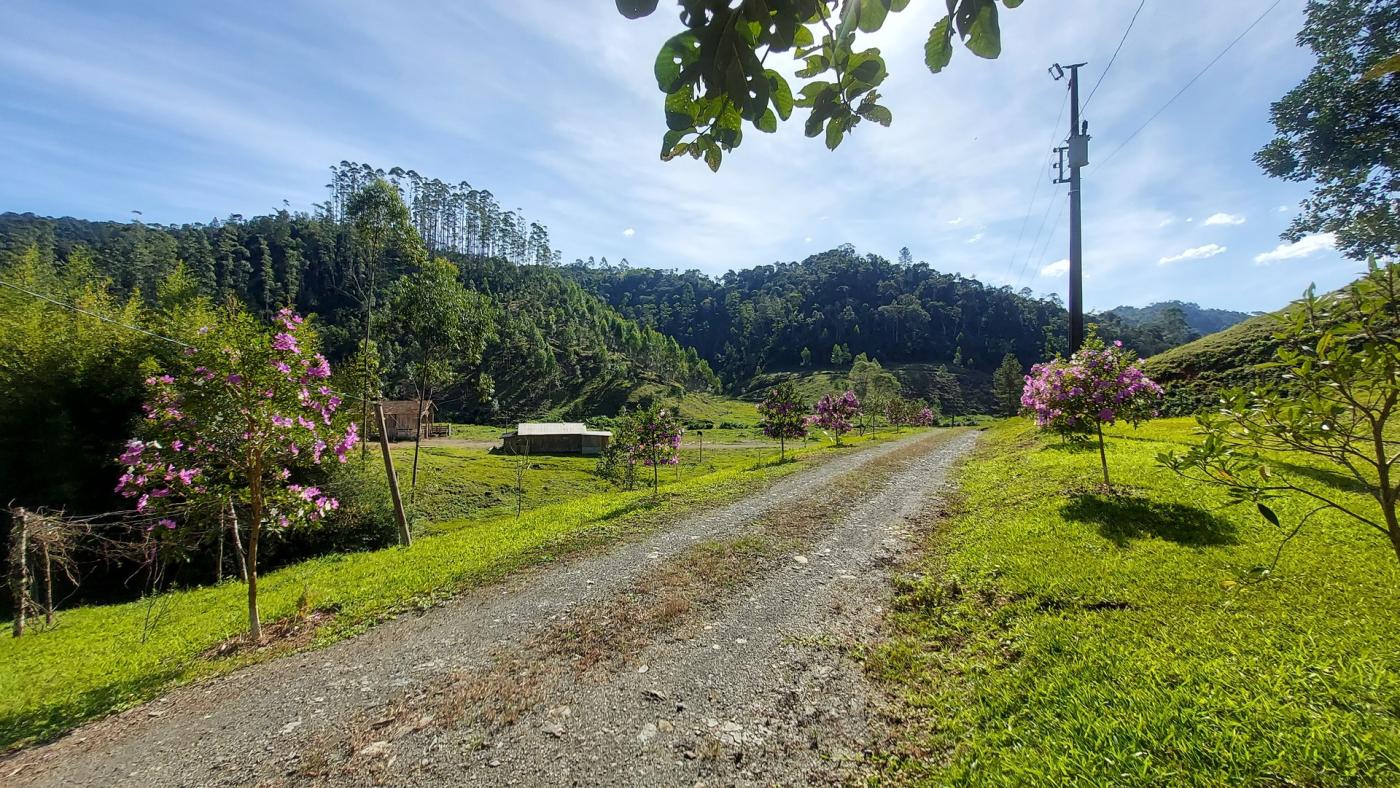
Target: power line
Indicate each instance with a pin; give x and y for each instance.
(1192, 81)
(128, 326)
(103, 318)
(1030, 252)
(1039, 178)
(1116, 50)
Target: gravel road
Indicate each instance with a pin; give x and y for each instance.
(708, 653)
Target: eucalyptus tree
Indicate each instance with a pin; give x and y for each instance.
(382, 231)
(437, 325)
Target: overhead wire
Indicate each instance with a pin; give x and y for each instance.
(1193, 80)
(1114, 58)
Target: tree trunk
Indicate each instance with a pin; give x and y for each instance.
(240, 557)
(251, 559)
(417, 441)
(48, 583)
(19, 567)
(1103, 457)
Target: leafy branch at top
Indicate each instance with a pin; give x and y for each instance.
(715, 78)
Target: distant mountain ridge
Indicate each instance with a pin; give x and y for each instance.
(1201, 319)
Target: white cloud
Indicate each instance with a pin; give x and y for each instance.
(1305, 246)
(1057, 268)
(956, 222)
(1285, 208)
(1167, 221)
(1224, 218)
(629, 232)
(1194, 253)
(974, 239)
(807, 240)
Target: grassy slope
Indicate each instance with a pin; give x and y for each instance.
(97, 661)
(956, 391)
(1194, 373)
(1051, 636)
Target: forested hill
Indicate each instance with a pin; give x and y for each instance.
(830, 307)
(1201, 319)
(556, 349)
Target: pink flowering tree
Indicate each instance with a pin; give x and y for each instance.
(657, 435)
(836, 414)
(237, 418)
(1098, 385)
(925, 417)
(782, 416)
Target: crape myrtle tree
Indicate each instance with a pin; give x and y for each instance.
(836, 414)
(1334, 403)
(715, 79)
(1339, 129)
(783, 416)
(1100, 384)
(437, 324)
(657, 440)
(238, 416)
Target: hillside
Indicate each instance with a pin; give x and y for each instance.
(1194, 373)
(1202, 320)
(828, 308)
(954, 391)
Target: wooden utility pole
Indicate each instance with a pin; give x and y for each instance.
(19, 566)
(1077, 146)
(405, 538)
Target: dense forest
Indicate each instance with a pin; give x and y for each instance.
(551, 339)
(829, 308)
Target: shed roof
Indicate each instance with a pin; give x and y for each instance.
(557, 428)
(404, 407)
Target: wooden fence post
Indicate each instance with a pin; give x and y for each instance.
(405, 538)
(19, 566)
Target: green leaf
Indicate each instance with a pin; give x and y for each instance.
(670, 142)
(677, 55)
(680, 110)
(872, 15)
(767, 122)
(877, 114)
(1268, 514)
(899, 5)
(938, 51)
(1011, 3)
(816, 64)
(835, 132)
(780, 94)
(984, 34)
(868, 70)
(636, 9)
(713, 157)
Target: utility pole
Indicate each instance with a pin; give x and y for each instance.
(1077, 145)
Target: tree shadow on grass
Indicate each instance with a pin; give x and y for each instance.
(1123, 518)
(1333, 479)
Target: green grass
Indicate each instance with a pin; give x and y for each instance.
(96, 660)
(1054, 635)
(459, 485)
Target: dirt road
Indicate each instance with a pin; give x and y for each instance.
(712, 652)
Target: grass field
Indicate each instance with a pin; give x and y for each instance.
(1055, 634)
(103, 658)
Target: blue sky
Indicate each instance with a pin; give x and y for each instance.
(187, 111)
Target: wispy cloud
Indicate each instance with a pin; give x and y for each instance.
(1224, 218)
(1194, 253)
(1057, 268)
(629, 232)
(1307, 245)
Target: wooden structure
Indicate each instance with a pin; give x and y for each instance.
(555, 438)
(399, 423)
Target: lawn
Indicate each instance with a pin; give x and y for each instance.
(103, 658)
(1054, 634)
